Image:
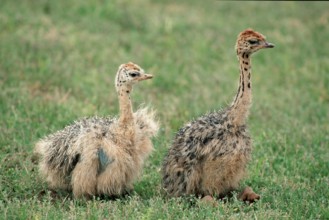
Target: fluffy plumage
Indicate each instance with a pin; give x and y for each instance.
(101, 155)
(209, 155)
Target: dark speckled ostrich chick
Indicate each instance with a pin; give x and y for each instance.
(208, 156)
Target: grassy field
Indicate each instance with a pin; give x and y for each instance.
(58, 60)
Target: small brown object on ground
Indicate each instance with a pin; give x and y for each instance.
(248, 195)
(209, 200)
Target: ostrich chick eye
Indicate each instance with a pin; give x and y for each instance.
(253, 42)
(134, 74)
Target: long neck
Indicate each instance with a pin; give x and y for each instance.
(240, 107)
(126, 112)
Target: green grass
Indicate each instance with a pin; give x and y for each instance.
(58, 60)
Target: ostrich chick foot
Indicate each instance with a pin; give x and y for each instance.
(248, 195)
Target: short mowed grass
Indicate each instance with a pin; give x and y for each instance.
(58, 61)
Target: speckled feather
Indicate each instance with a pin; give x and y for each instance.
(61, 155)
(209, 137)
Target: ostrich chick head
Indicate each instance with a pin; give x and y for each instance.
(128, 74)
(250, 41)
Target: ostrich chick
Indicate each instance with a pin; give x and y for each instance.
(101, 156)
(209, 155)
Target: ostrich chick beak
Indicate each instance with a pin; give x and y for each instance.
(268, 45)
(145, 76)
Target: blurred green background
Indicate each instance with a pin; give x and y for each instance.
(58, 60)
